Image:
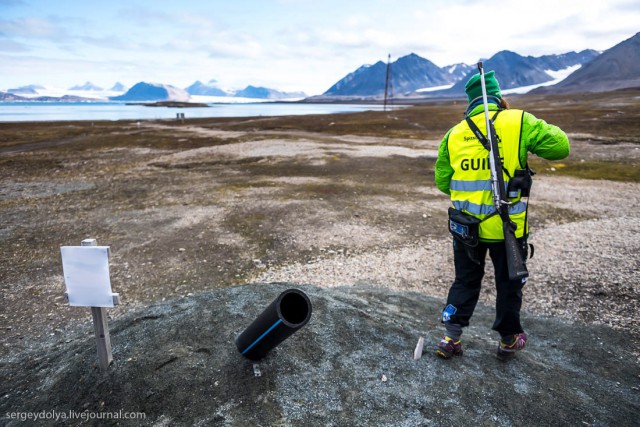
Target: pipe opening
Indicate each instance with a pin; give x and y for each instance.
(294, 308)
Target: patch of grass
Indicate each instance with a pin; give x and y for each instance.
(366, 170)
(208, 164)
(258, 228)
(586, 169)
(18, 133)
(424, 121)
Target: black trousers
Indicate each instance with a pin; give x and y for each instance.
(465, 290)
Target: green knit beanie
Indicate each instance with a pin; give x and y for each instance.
(473, 88)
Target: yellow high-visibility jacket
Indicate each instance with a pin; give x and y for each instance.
(462, 169)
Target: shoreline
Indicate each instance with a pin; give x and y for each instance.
(110, 112)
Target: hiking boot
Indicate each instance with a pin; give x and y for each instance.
(447, 347)
(507, 350)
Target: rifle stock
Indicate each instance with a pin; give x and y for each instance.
(515, 264)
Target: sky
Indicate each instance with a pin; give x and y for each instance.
(288, 45)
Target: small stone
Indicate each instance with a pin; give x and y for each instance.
(181, 250)
(384, 378)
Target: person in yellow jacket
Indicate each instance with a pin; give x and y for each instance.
(462, 171)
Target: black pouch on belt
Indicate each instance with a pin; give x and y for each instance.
(464, 227)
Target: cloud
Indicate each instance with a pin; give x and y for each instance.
(291, 44)
(32, 28)
(189, 33)
(11, 46)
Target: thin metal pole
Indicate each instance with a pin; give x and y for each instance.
(100, 326)
(386, 82)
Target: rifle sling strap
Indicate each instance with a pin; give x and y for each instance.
(478, 133)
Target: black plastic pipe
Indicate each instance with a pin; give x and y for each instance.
(285, 315)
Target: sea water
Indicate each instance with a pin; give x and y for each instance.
(69, 111)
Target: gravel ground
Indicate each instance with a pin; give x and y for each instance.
(581, 270)
(307, 208)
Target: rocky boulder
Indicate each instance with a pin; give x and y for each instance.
(353, 364)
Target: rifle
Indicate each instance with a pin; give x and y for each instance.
(515, 263)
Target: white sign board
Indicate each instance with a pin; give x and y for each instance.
(86, 275)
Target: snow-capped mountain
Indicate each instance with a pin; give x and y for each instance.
(206, 89)
(153, 92)
(87, 86)
(616, 68)
(258, 92)
(118, 87)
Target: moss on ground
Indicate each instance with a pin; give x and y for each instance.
(585, 169)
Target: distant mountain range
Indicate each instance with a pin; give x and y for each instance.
(87, 86)
(413, 74)
(158, 92)
(255, 92)
(26, 90)
(266, 93)
(414, 77)
(144, 91)
(10, 97)
(513, 70)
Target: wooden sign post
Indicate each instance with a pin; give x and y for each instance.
(86, 275)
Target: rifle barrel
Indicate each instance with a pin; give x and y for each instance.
(515, 264)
